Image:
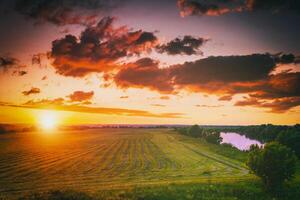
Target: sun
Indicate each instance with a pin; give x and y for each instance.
(48, 120)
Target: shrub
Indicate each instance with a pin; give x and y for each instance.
(274, 164)
(214, 138)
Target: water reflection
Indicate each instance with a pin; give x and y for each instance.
(239, 141)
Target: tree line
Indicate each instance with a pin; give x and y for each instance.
(211, 135)
(285, 135)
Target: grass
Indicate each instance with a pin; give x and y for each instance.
(122, 164)
(244, 190)
(223, 149)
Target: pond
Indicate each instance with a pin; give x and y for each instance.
(239, 141)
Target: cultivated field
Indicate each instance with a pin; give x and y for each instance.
(91, 160)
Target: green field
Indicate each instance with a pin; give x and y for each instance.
(93, 160)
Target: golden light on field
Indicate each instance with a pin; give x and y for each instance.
(48, 120)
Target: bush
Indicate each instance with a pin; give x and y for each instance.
(214, 138)
(274, 164)
(195, 131)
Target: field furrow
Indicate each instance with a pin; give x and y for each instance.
(95, 159)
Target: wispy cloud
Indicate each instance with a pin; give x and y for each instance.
(59, 105)
(209, 106)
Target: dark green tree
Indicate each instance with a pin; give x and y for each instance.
(274, 164)
(291, 139)
(195, 131)
(213, 137)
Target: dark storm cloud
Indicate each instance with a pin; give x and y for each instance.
(224, 76)
(279, 86)
(280, 105)
(226, 69)
(280, 92)
(220, 7)
(33, 90)
(145, 37)
(188, 45)
(99, 48)
(297, 59)
(274, 5)
(210, 8)
(62, 12)
(206, 74)
(144, 73)
(285, 58)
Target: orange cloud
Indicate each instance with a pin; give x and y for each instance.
(80, 96)
(221, 7)
(99, 48)
(164, 97)
(225, 98)
(209, 106)
(144, 73)
(19, 72)
(280, 105)
(158, 105)
(191, 7)
(60, 105)
(33, 90)
(224, 76)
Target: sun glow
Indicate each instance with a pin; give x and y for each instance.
(48, 120)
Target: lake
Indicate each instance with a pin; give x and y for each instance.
(239, 141)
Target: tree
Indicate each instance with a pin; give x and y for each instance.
(291, 139)
(214, 137)
(195, 131)
(274, 164)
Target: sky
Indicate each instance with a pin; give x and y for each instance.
(221, 62)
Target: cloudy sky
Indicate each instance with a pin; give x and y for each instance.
(159, 61)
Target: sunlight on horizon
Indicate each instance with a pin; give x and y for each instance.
(48, 120)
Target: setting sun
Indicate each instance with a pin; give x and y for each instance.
(48, 120)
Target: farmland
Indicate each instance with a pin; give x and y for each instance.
(93, 160)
